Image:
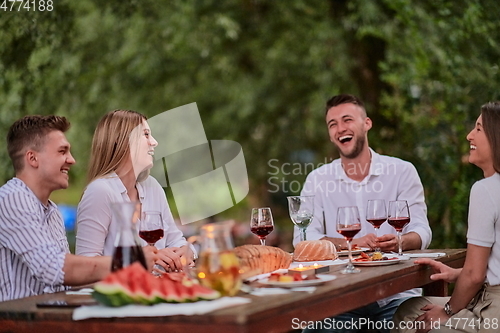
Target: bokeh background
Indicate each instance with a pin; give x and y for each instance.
(260, 72)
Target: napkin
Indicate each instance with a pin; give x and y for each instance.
(426, 255)
(158, 310)
(83, 291)
(279, 291)
(321, 262)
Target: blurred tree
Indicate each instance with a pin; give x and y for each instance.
(260, 72)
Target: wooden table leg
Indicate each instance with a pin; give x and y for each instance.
(436, 288)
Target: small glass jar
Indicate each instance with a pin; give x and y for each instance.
(218, 267)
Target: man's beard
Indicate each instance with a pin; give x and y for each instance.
(358, 148)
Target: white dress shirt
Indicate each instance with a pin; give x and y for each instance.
(96, 233)
(389, 178)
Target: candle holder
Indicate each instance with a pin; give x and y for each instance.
(309, 270)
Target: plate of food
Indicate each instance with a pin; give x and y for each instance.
(355, 250)
(375, 259)
(296, 280)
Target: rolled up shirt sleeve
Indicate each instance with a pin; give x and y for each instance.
(411, 190)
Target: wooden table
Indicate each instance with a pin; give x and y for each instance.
(264, 314)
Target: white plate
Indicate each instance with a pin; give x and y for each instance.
(321, 278)
(391, 261)
(319, 262)
(345, 252)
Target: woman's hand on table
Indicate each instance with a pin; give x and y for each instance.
(151, 255)
(441, 271)
(187, 255)
(170, 259)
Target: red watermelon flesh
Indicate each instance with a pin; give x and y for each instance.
(134, 284)
(168, 292)
(204, 293)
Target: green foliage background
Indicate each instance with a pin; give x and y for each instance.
(260, 72)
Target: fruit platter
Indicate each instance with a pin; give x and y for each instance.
(134, 285)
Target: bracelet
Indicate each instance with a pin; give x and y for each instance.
(448, 310)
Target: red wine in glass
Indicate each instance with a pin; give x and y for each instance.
(399, 216)
(348, 225)
(376, 223)
(399, 223)
(262, 231)
(151, 236)
(124, 256)
(261, 223)
(350, 232)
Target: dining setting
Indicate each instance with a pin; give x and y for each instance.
(228, 282)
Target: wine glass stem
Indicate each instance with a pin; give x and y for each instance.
(302, 234)
(262, 241)
(400, 244)
(350, 265)
(377, 248)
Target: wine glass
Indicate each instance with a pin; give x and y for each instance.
(261, 223)
(151, 227)
(376, 215)
(151, 230)
(301, 210)
(399, 217)
(348, 225)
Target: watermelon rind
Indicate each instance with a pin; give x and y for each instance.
(114, 299)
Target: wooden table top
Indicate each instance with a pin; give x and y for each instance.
(273, 313)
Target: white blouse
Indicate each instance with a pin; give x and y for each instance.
(95, 234)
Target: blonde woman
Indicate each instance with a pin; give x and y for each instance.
(120, 159)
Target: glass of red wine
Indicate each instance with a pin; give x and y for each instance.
(399, 217)
(261, 223)
(151, 230)
(376, 215)
(348, 225)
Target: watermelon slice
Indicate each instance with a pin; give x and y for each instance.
(112, 292)
(204, 293)
(133, 284)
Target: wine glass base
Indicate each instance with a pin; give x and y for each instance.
(350, 270)
(157, 270)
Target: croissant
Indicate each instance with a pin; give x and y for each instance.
(315, 250)
(258, 259)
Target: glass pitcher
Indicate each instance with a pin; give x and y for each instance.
(218, 266)
(127, 244)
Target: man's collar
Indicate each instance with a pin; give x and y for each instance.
(340, 173)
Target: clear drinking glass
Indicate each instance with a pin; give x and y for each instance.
(348, 225)
(376, 215)
(261, 223)
(399, 217)
(301, 210)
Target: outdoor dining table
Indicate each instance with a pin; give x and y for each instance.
(271, 313)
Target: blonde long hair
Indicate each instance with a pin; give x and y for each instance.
(110, 144)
